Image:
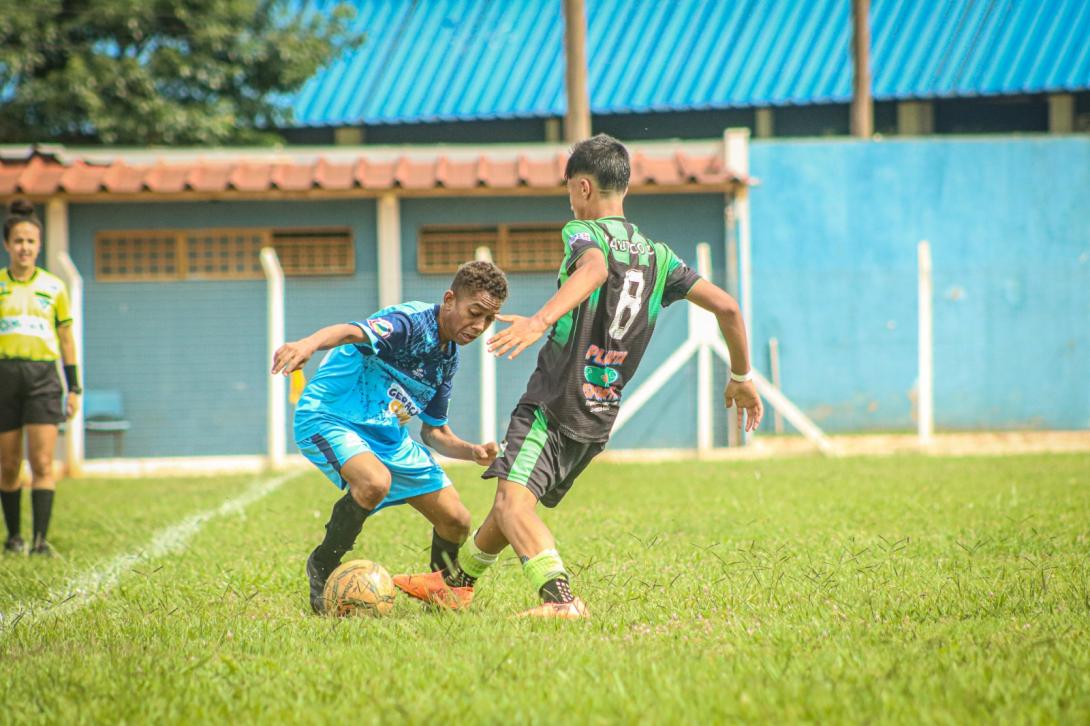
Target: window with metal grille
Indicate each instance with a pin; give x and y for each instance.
(136, 255)
(220, 254)
(307, 252)
(225, 254)
(514, 247)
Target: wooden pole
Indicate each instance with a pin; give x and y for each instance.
(862, 104)
(577, 120)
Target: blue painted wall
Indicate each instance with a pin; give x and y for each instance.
(190, 357)
(835, 227)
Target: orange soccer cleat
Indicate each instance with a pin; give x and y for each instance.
(431, 589)
(573, 610)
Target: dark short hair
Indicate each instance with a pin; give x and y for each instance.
(19, 211)
(480, 275)
(603, 157)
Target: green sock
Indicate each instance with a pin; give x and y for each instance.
(543, 568)
(473, 560)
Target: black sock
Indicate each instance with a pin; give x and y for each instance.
(12, 502)
(557, 590)
(341, 530)
(41, 501)
(444, 558)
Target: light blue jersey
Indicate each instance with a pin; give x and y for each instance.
(351, 404)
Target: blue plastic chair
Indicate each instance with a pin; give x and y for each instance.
(104, 413)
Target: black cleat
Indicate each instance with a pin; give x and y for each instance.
(41, 548)
(317, 577)
(15, 546)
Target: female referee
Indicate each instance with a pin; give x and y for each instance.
(35, 329)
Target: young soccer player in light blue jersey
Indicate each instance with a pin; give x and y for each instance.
(351, 419)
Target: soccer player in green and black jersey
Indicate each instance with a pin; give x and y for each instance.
(613, 283)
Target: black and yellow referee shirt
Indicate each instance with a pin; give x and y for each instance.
(30, 311)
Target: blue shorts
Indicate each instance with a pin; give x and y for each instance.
(329, 443)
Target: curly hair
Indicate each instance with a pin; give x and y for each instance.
(479, 275)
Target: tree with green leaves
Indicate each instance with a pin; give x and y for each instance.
(160, 72)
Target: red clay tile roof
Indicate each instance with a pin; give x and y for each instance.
(43, 174)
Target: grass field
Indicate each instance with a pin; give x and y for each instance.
(892, 590)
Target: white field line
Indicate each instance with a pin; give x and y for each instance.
(79, 591)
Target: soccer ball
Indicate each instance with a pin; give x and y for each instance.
(359, 587)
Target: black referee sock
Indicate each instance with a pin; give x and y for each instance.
(42, 503)
(444, 559)
(12, 503)
(341, 531)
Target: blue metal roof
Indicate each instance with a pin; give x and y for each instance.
(435, 60)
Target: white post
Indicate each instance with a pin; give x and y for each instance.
(698, 323)
(924, 395)
(73, 437)
(775, 397)
(658, 378)
(389, 250)
(488, 374)
(276, 416)
(774, 364)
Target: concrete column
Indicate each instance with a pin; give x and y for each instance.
(59, 262)
(389, 250)
(1061, 113)
(348, 136)
(763, 126)
(56, 233)
(915, 118)
(553, 130)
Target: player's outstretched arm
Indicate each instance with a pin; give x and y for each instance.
(590, 274)
(446, 443)
(743, 393)
(293, 356)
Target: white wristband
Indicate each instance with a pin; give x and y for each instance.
(747, 376)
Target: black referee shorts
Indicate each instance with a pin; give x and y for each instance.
(30, 393)
(538, 456)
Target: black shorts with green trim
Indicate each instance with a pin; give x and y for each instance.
(541, 458)
(30, 393)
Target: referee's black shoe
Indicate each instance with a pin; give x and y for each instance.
(317, 575)
(41, 547)
(15, 546)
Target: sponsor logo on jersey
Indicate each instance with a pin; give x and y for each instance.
(601, 394)
(26, 325)
(401, 403)
(601, 357)
(601, 376)
(584, 236)
(384, 328)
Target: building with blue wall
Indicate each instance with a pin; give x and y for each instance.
(835, 225)
(189, 353)
(834, 236)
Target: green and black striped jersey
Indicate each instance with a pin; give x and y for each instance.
(594, 350)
